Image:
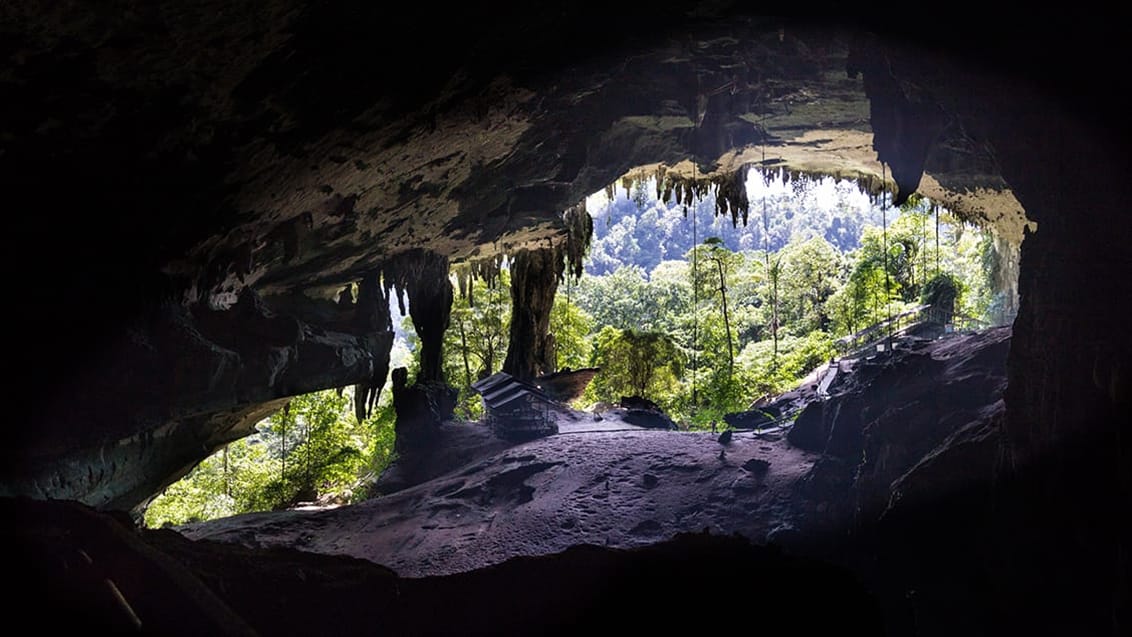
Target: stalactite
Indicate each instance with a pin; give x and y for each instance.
(535, 275)
(423, 276)
(463, 273)
(729, 190)
(484, 269)
(579, 232)
(373, 319)
(627, 183)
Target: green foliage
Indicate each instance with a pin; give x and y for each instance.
(713, 277)
(621, 299)
(829, 273)
(226, 483)
(570, 326)
(797, 357)
(475, 344)
(381, 431)
(635, 363)
(942, 289)
(813, 270)
(871, 293)
(312, 449)
(321, 449)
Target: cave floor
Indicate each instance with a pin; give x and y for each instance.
(474, 500)
(619, 488)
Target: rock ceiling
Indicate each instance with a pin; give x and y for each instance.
(304, 146)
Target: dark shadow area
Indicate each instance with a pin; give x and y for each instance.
(167, 585)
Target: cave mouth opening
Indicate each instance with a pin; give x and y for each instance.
(813, 268)
(639, 275)
(1065, 362)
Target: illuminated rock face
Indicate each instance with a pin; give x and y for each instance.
(160, 162)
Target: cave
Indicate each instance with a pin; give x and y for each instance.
(191, 186)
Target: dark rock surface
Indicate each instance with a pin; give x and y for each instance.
(642, 412)
(64, 554)
(754, 419)
(567, 385)
(543, 497)
(892, 414)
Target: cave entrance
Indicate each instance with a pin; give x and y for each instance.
(677, 305)
(707, 313)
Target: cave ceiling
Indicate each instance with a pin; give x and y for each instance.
(294, 147)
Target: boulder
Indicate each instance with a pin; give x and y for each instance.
(810, 430)
(648, 418)
(643, 412)
(755, 418)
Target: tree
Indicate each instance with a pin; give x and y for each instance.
(712, 280)
(767, 374)
(774, 275)
(327, 452)
(217, 489)
(812, 270)
(942, 292)
(476, 340)
(670, 296)
(870, 295)
(570, 327)
(319, 446)
(723, 260)
(636, 363)
(620, 299)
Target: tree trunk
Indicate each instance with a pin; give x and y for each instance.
(727, 319)
(227, 481)
(774, 315)
(464, 351)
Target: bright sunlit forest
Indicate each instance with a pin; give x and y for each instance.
(676, 305)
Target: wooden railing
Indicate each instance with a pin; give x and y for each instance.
(900, 323)
(877, 332)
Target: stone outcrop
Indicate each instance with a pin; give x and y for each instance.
(422, 275)
(421, 408)
(891, 414)
(534, 281)
(187, 382)
(567, 385)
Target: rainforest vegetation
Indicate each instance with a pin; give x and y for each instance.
(676, 304)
